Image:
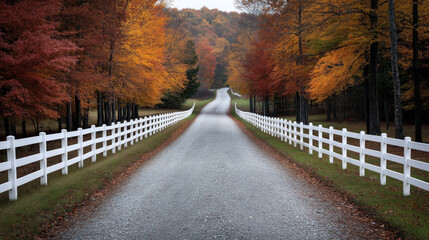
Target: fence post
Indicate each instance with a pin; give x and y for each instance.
(64, 156)
(151, 122)
(141, 129)
(132, 129)
(344, 148)
(383, 162)
(94, 145)
(310, 139)
(120, 136)
(295, 138)
(331, 145)
(320, 141)
(146, 121)
(301, 137)
(125, 134)
(362, 154)
(104, 140)
(80, 150)
(290, 132)
(11, 157)
(43, 162)
(281, 130)
(407, 168)
(114, 137)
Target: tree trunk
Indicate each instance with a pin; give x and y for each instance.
(7, 127)
(267, 106)
(303, 108)
(69, 117)
(340, 113)
(297, 107)
(86, 118)
(128, 112)
(23, 129)
(399, 128)
(251, 104)
(114, 109)
(78, 109)
(254, 104)
(416, 78)
(366, 95)
(386, 113)
(328, 109)
(374, 115)
(14, 128)
(334, 107)
(109, 112)
(99, 109)
(137, 111)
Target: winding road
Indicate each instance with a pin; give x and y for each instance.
(213, 182)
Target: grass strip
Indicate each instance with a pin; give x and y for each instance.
(38, 205)
(409, 215)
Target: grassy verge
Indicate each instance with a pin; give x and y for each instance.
(39, 205)
(409, 215)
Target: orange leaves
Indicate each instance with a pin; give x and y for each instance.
(141, 76)
(335, 72)
(207, 64)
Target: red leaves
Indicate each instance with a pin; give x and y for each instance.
(31, 56)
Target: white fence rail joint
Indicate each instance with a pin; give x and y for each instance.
(120, 135)
(296, 133)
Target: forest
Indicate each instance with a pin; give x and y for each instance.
(365, 60)
(60, 59)
(362, 60)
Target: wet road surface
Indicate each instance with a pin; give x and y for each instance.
(213, 182)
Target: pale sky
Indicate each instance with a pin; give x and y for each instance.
(223, 5)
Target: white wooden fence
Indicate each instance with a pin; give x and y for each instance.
(120, 134)
(306, 136)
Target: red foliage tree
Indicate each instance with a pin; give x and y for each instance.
(31, 59)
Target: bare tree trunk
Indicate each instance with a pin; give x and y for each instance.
(99, 109)
(297, 107)
(374, 115)
(69, 117)
(108, 113)
(59, 119)
(416, 78)
(328, 109)
(267, 106)
(78, 109)
(303, 108)
(114, 109)
(7, 127)
(250, 104)
(399, 128)
(128, 111)
(86, 118)
(23, 129)
(386, 113)
(254, 104)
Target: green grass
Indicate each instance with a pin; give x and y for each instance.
(410, 215)
(38, 205)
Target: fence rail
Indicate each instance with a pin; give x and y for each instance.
(109, 138)
(311, 136)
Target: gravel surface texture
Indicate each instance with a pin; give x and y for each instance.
(213, 182)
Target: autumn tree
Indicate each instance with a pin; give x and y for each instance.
(32, 60)
(207, 64)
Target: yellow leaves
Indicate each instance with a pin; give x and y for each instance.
(148, 61)
(335, 72)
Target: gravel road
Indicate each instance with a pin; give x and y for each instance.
(213, 182)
